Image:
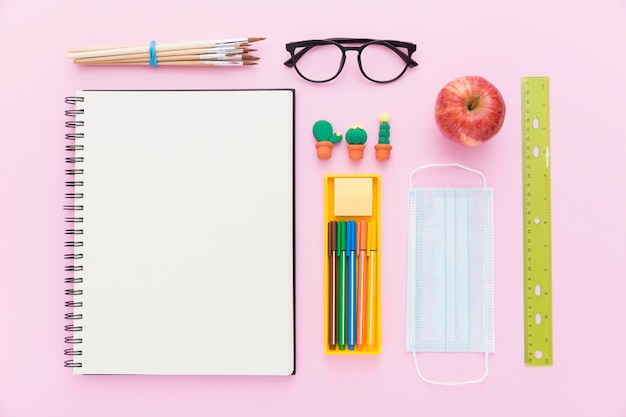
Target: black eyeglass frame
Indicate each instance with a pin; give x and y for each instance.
(391, 44)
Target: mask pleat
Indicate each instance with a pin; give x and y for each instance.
(450, 270)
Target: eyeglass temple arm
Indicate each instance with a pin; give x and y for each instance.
(406, 57)
(295, 57)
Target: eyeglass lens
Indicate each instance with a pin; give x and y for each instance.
(320, 62)
(323, 62)
(381, 63)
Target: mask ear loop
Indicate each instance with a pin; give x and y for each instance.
(451, 384)
(417, 368)
(420, 168)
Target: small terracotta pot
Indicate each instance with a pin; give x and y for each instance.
(324, 149)
(383, 151)
(355, 151)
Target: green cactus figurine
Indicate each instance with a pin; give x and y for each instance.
(383, 148)
(383, 132)
(323, 132)
(356, 137)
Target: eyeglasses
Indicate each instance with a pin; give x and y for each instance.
(321, 60)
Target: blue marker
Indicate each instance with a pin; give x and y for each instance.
(351, 252)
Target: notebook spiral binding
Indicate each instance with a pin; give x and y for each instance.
(73, 231)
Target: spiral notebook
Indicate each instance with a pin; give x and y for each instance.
(180, 232)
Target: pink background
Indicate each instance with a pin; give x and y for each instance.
(579, 44)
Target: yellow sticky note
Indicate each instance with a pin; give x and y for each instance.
(353, 196)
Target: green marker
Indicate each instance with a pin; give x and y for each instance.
(341, 285)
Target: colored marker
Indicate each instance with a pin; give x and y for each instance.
(332, 285)
(341, 285)
(351, 251)
(372, 246)
(362, 270)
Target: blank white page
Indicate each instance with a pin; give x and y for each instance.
(188, 237)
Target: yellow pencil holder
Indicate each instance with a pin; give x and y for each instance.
(352, 264)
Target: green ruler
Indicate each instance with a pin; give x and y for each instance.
(537, 221)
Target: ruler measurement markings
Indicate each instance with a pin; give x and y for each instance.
(537, 222)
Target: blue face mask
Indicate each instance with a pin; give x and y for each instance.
(450, 271)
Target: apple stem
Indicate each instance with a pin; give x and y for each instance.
(472, 104)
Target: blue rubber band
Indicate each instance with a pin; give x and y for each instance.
(153, 56)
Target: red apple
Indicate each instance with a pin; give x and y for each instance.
(469, 110)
